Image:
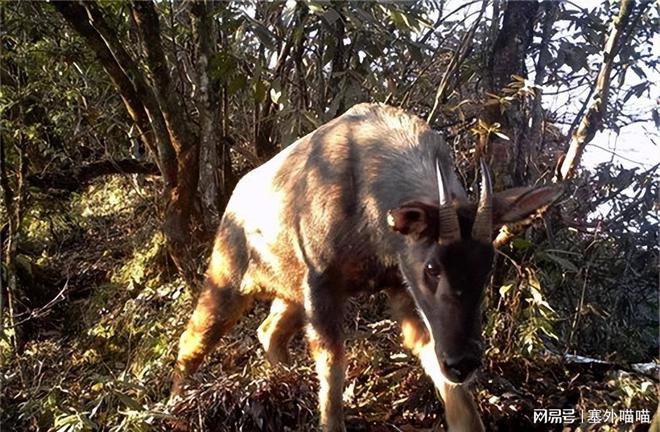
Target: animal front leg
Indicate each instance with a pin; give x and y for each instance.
(460, 409)
(328, 354)
(324, 313)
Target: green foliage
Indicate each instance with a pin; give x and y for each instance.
(54, 99)
(124, 330)
(117, 365)
(593, 287)
(616, 253)
(630, 392)
(144, 266)
(522, 320)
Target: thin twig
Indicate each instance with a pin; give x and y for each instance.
(39, 312)
(454, 64)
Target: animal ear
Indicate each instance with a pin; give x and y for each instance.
(414, 219)
(518, 204)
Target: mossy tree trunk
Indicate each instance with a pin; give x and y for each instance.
(153, 102)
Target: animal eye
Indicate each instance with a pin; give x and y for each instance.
(432, 269)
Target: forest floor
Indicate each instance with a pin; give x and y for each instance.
(99, 356)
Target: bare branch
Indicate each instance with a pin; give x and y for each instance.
(454, 64)
(592, 120)
(77, 178)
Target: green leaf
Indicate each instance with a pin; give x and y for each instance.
(128, 401)
(505, 288)
(329, 53)
(400, 20)
(331, 16)
(563, 262)
(263, 34)
(315, 7)
(416, 52)
(236, 84)
(521, 243)
(259, 91)
(221, 66)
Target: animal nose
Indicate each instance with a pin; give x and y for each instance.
(458, 369)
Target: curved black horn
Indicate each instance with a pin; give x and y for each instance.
(482, 229)
(448, 219)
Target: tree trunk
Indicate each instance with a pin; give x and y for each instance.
(13, 200)
(338, 66)
(177, 215)
(88, 21)
(532, 136)
(210, 169)
(179, 205)
(510, 157)
(157, 112)
(265, 147)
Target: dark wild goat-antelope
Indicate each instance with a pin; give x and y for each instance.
(367, 202)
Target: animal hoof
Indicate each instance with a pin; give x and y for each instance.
(278, 357)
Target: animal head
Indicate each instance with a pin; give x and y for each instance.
(447, 259)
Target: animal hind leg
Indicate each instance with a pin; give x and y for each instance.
(220, 305)
(222, 301)
(217, 311)
(460, 409)
(283, 322)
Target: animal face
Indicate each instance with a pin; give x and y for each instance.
(446, 260)
(447, 282)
